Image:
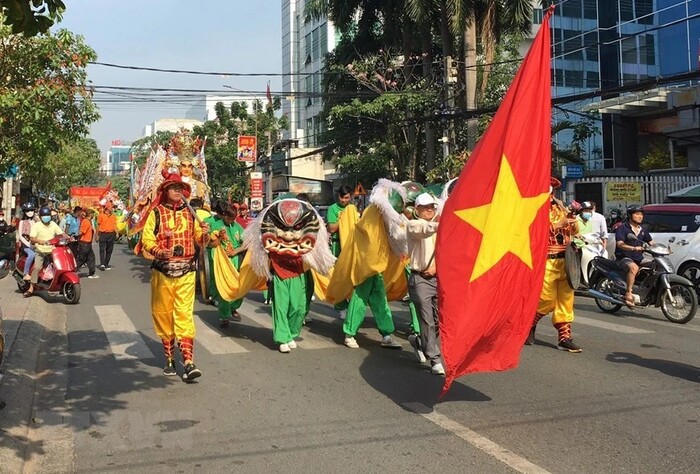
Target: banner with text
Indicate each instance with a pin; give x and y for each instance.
(256, 184)
(247, 148)
(624, 192)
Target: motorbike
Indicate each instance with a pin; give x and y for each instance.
(7, 250)
(656, 285)
(592, 247)
(58, 275)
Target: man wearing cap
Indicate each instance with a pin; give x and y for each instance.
(169, 235)
(243, 218)
(422, 283)
(557, 296)
(107, 234)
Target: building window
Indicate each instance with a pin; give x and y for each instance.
(309, 131)
(559, 77)
(647, 53)
(592, 80)
(308, 88)
(307, 44)
(573, 42)
(315, 45)
(590, 41)
(629, 50)
(317, 88)
(324, 39)
(537, 16)
(626, 10)
(643, 10)
(590, 10)
(628, 79)
(556, 39)
(573, 79)
(571, 8)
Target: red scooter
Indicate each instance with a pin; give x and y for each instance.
(58, 275)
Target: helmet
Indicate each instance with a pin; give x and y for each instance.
(634, 208)
(44, 211)
(28, 207)
(586, 205)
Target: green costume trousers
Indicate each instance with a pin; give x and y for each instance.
(290, 303)
(225, 307)
(372, 293)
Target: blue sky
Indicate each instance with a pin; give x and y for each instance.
(205, 35)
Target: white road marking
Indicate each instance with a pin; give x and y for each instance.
(507, 457)
(214, 341)
(124, 340)
(307, 339)
(609, 326)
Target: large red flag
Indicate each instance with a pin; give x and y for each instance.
(492, 241)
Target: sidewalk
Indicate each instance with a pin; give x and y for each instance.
(34, 369)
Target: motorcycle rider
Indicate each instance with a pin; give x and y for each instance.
(585, 222)
(628, 251)
(23, 230)
(42, 232)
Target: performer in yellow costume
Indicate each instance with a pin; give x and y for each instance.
(169, 235)
(557, 296)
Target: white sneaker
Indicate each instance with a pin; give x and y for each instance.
(351, 342)
(292, 344)
(438, 369)
(343, 312)
(390, 343)
(414, 340)
(284, 348)
(91, 277)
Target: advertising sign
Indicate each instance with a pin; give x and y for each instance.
(300, 185)
(256, 185)
(256, 204)
(247, 148)
(624, 192)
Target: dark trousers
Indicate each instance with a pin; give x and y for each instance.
(106, 246)
(423, 293)
(85, 254)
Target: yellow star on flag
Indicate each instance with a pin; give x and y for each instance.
(504, 223)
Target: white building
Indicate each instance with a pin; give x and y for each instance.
(204, 108)
(304, 47)
(170, 125)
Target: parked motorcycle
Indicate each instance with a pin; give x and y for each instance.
(656, 284)
(58, 274)
(592, 247)
(7, 249)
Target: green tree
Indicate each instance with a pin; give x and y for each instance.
(659, 157)
(228, 177)
(31, 17)
(142, 147)
(45, 99)
(74, 164)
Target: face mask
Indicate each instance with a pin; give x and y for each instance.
(45, 219)
(586, 215)
(30, 214)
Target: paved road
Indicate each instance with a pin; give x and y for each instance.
(629, 403)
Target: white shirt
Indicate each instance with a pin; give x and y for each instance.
(600, 226)
(421, 243)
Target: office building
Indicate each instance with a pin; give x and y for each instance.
(304, 47)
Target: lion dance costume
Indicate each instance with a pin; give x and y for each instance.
(557, 296)
(169, 235)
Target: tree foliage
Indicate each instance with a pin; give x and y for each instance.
(659, 157)
(31, 17)
(228, 177)
(45, 100)
(74, 164)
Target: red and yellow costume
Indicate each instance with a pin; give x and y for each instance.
(557, 296)
(171, 227)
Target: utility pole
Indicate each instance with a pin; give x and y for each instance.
(268, 186)
(450, 78)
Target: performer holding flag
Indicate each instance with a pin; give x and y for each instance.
(492, 244)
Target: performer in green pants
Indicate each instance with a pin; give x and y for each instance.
(227, 232)
(372, 293)
(343, 197)
(291, 298)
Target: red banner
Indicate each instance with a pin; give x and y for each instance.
(256, 185)
(247, 148)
